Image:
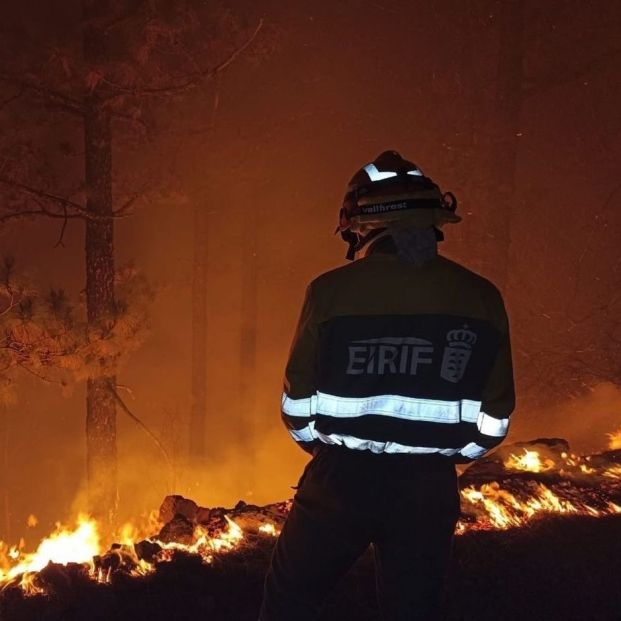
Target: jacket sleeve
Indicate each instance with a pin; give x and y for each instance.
(498, 397)
(299, 396)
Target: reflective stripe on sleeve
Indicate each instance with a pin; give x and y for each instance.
(490, 426)
(299, 407)
(306, 434)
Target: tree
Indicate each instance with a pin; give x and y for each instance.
(520, 33)
(248, 337)
(200, 283)
(48, 337)
(131, 55)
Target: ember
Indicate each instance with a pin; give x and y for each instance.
(508, 489)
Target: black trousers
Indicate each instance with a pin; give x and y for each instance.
(405, 506)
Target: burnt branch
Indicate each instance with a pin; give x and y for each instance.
(12, 98)
(42, 198)
(39, 376)
(129, 413)
(41, 194)
(56, 97)
(190, 80)
(63, 228)
(128, 118)
(12, 303)
(126, 206)
(34, 212)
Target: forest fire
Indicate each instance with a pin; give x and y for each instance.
(509, 489)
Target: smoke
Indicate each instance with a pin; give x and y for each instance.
(586, 422)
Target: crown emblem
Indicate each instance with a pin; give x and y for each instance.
(461, 337)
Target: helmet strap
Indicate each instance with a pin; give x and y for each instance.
(352, 240)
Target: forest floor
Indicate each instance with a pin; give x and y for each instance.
(561, 568)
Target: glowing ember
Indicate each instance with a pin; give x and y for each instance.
(268, 529)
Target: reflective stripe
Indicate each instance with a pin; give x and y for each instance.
(306, 434)
(405, 408)
(299, 407)
(381, 447)
(376, 175)
(473, 450)
(490, 426)
(409, 408)
(418, 173)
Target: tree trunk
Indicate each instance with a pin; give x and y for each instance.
(199, 336)
(100, 302)
(495, 236)
(248, 343)
(4, 473)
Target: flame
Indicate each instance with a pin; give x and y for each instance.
(63, 546)
(529, 461)
(614, 440)
(502, 509)
(578, 485)
(499, 508)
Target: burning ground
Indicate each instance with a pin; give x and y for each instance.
(539, 538)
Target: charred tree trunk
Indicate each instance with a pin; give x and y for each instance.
(198, 411)
(100, 302)
(495, 236)
(248, 341)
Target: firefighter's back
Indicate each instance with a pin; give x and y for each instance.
(403, 357)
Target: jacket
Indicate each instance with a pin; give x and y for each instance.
(391, 357)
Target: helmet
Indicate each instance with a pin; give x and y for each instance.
(391, 192)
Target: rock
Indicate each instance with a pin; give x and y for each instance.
(180, 530)
(178, 505)
(119, 557)
(146, 550)
(203, 515)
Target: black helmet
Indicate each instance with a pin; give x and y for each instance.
(388, 192)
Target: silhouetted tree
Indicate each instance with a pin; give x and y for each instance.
(518, 32)
(129, 56)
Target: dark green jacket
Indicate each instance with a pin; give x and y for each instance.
(398, 358)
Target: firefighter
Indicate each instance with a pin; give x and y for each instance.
(399, 369)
